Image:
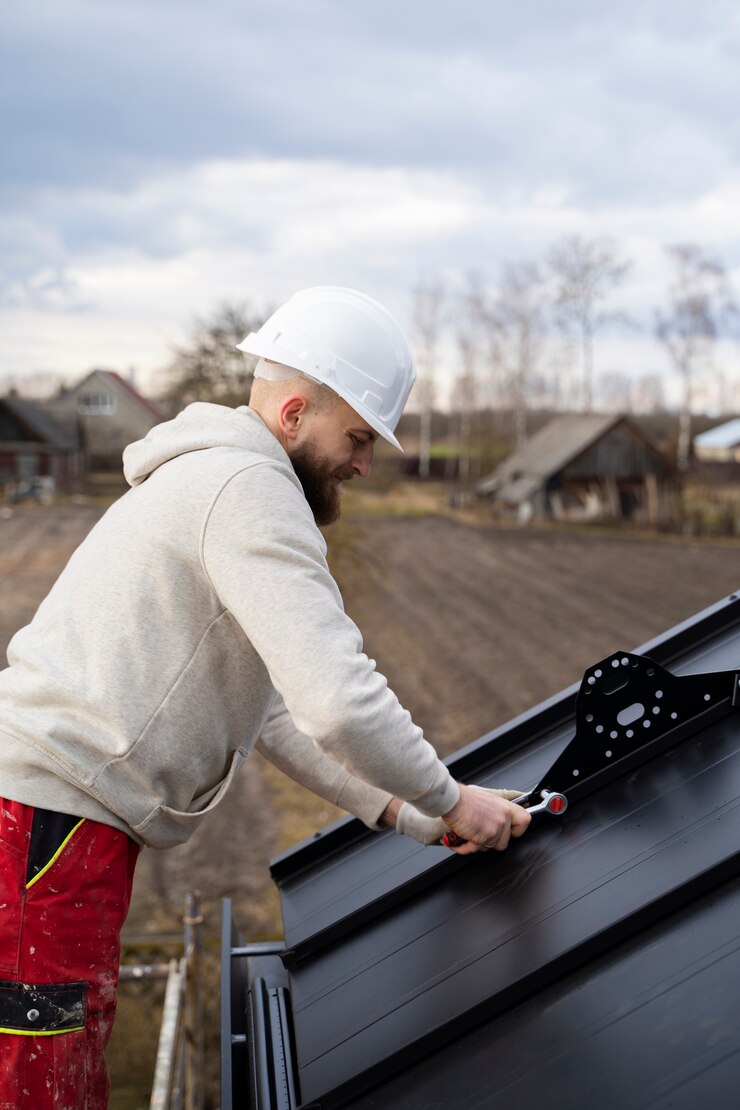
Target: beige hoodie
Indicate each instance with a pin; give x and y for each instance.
(196, 619)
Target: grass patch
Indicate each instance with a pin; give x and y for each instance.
(402, 498)
(708, 513)
(132, 1050)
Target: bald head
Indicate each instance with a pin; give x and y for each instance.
(272, 399)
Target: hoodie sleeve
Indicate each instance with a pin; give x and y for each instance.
(293, 753)
(265, 559)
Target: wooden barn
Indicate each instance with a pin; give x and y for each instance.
(584, 467)
(33, 445)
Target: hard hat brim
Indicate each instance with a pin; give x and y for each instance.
(253, 345)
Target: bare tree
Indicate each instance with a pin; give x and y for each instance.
(467, 386)
(586, 271)
(649, 393)
(700, 307)
(516, 321)
(428, 306)
(616, 391)
(208, 367)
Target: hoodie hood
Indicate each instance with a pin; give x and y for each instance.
(197, 428)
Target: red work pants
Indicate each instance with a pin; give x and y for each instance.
(60, 919)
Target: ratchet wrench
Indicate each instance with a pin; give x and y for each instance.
(551, 801)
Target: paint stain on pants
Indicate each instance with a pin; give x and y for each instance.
(61, 928)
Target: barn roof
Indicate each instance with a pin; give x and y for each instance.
(39, 424)
(413, 977)
(724, 435)
(550, 449)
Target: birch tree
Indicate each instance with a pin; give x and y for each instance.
(586, 271)
(517, 325)
(429, 297)
(700, 307)
(467, 385)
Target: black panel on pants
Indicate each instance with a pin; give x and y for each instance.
(48, 833)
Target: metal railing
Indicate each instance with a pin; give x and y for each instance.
(179, 1069)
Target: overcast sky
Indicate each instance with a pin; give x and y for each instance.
(158, 156)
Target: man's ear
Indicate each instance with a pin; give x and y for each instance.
(291, 414)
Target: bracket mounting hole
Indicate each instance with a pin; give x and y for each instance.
(631, 713)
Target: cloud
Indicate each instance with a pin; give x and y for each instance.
(104, 92)
(135, 266)
(148, 259)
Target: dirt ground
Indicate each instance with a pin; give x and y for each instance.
(474, 624)
(471, 623)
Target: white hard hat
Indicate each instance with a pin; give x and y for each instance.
(347, 341)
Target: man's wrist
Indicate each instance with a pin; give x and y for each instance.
(452, 813)
(389, 816)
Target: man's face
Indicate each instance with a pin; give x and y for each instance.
(336, 446)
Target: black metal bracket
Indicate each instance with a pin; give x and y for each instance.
(629, 709)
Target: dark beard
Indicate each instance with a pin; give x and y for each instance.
(320, 487)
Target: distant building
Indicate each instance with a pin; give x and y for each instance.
(720, 444)
(32, 444)
(106, 413)
(583, 467)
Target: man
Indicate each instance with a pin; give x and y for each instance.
(197, 620)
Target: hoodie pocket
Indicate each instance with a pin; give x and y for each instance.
(165, 827)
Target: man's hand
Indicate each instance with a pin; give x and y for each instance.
(407, 820)
(485, 820)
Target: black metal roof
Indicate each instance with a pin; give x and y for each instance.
(594, 962)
